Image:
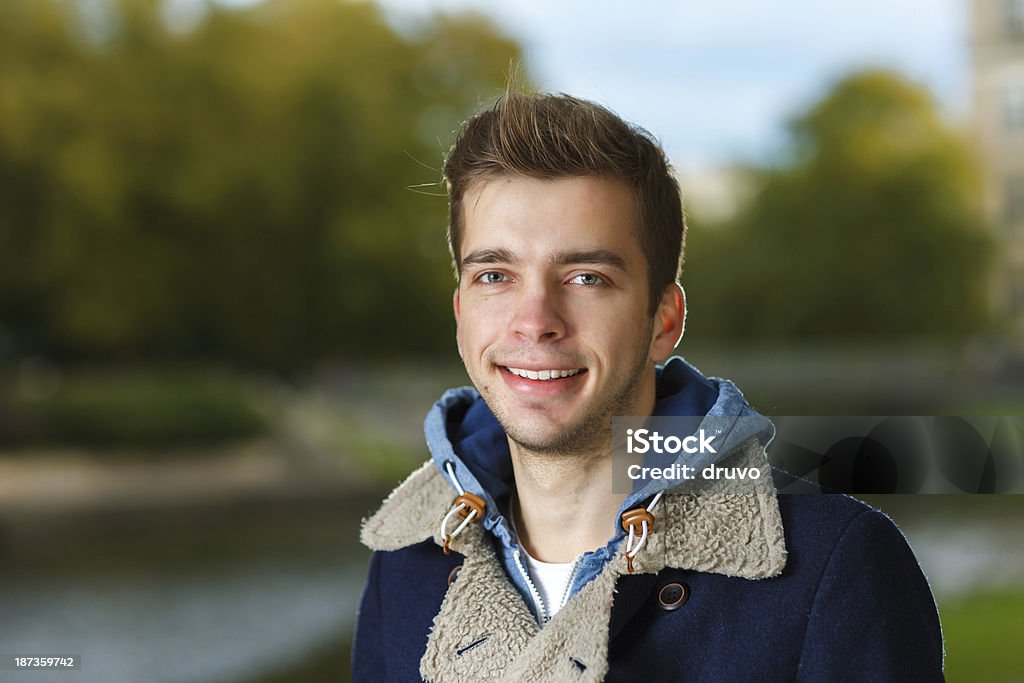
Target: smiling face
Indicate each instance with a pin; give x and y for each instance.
(552, 309)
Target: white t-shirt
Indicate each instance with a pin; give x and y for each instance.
(551, 580)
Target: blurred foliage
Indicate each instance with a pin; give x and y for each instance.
(238, 186)
(379, 453)
(978, 633)
(259, 185)
(869, 225)
(130, 408)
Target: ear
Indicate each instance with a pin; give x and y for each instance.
(669, 322)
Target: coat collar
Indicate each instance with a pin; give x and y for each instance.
(484, 631)
(731, 534)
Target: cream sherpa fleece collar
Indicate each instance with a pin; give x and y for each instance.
(484, 631)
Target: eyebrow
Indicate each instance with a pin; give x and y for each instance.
(593, 256)
(565, 258)
(483, 256)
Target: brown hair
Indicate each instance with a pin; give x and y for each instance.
(551, 136)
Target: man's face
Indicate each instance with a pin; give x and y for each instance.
(552, 308)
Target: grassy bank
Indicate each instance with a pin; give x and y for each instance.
(982, 633)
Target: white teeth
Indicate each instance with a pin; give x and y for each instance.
(545, 374)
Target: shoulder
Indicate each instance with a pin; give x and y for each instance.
(847, 558)
(824, 505)
(833, 537)
(869, 597)
(823, 524)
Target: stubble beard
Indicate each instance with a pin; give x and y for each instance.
(592, 434)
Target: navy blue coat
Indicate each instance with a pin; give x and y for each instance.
(850, 605)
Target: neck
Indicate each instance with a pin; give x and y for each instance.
(565, 503)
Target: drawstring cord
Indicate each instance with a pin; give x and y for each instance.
(631, 519)
(467, 507)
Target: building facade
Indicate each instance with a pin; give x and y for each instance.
(997, 56)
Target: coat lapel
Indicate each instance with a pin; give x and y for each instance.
(483, 624)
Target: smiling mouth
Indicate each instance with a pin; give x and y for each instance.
(543, 375)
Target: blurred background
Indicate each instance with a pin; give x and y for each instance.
(225, 291)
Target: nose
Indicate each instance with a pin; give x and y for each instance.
(538, 315)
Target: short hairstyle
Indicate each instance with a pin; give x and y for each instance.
(549, 136)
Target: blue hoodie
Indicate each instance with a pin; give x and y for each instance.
(463, 432)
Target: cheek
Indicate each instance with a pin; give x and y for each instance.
(471, 330)
(480, 315)
(621, 337)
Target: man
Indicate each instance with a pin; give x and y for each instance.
(509, 556)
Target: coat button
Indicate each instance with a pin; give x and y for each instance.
(453, 574)
(672, 596)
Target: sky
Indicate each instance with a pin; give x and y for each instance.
(716, 81)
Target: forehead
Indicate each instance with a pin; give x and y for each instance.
(532, 215)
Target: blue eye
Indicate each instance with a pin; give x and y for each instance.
(491, 277)
(588, 280)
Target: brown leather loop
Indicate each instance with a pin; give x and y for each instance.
(636, 517)
(471, 502)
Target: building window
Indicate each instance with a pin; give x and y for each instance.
(1013, 19)
(1015, 203)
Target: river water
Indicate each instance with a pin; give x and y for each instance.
(237, 599)
(224, 602)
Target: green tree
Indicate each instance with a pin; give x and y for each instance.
(869, 226)
(234, 190)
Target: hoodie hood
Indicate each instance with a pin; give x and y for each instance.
(463, 434)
